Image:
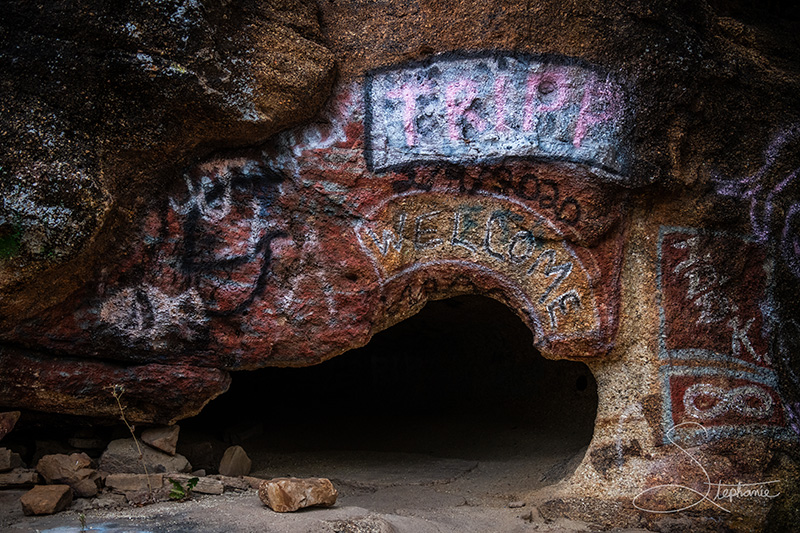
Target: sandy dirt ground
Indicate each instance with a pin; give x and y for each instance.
(461, 482)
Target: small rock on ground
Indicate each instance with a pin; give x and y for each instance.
(74, 470)
(205, 485)
(19, 478)
(46, 499)
(164, 438)
(235, 462)
(285, 495)
(122, 457)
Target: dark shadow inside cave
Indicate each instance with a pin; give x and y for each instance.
(459, 380)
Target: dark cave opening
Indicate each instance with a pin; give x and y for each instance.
(461, 379)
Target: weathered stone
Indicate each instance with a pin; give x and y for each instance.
(83, 443)
(139, 489)
(235, 462)
(176, 385)
(163, 438)
(16, 461)
(75, 470)
(46, 499)
(202, 451)
(367, 524)
(205, 485)
(8, 420)
(146, 497)
(122, 457)
(253, 482)
(236, 483)
(284, 495)
(71, 169)
(622, 175)
(5, 460)
(19, 478)
(59, 467)
(134, 483)
(107, 499)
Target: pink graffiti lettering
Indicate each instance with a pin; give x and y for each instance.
(457, 108)
(543, 83)
(409, 93)
(500, 99)
(589, 115)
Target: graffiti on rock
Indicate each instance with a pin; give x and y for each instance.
(472, 108)
(239, 243)
(302, 251)
(214, 257)
(711, 285)
(716, 364)
(773, 191)
(490, 233)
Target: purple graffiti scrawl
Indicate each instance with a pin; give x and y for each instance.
(771, 190)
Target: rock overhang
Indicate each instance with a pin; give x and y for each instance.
(492, 172)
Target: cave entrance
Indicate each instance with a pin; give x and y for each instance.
(454, 392)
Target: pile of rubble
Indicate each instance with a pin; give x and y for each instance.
(139, 471)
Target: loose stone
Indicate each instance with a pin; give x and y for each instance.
(284, 495)
(46, 499)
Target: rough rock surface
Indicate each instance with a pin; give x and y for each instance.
(285, 495)
(163, 438)
(76, 470)
(5, 460)
(103, 103)
(205, 485)
(235, 462)
(46, 499)
(7, 422)
(19, 478)
(177, 205)
(234, 483)
(135, 483)
(122, 457)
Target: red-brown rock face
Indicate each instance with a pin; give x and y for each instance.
(291, 255)
(624, 178)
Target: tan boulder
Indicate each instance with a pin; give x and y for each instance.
(235, 462)
(162, 438)
(46, 499)
(75, 470)
(125, 483)
(122, 457)
(284, 495)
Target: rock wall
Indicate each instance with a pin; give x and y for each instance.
(623, 177)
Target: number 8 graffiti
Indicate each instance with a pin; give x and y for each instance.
(749, 401)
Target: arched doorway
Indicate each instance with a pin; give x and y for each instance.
(454, 396)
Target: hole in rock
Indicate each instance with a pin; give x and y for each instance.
(455, 396)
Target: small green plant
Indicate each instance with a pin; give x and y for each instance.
(82, 519)
(179, 492)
